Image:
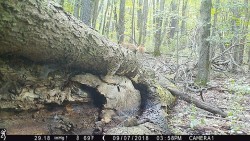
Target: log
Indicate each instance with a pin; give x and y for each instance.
(42, 32)
(199, 104)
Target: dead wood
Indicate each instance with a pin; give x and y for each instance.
(199, 104)
(43, 33)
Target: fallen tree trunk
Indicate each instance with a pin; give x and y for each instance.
(199, 104)
(42, 32)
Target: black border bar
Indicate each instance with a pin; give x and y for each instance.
(126, 137)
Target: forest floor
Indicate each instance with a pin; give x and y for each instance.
(54, 119)
(229, 92)
(232, 97)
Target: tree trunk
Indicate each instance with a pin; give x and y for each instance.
(248, 59)
(76, 8)
(221, 46)
(235, 29)
(107, 30)
(139, 18)
(86, 12)
(144, 23)
(116, 23)
(164, 39)
(158, 26)
(247, 21)
(101, 10)
(72, 44)
(105, 17)
(183, 14)
(140, 21)
(132, 39)
(173, 22)
(45, 33)
(244, 32)
(214, 28)
(121, 24)
(95, 13)
(204, 54)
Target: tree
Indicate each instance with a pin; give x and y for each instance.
(183, 14)
(95, 13)
(204, 53)
(121, 24)
(140, 20)
(143, 24)
(173, 22)
(102, 26)
(214, 27)
(76, 8)
(235, 40)
(108, 25)
(132, 39)
(158, 25)
(244, 30)
(139, 13)
(86, 11)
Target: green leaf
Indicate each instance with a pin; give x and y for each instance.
(230, 113)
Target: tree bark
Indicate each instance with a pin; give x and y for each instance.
(105, 18)
(158, 26)
(249, 60)
(244, 32)
(121, 24)
(132, 39)
(247, 21)
(95, 13)
(139, 18)
(235, 29)
(145, 19)
(183, 14)
(86, 11)
(108, 25)
(76, 8)
(173, 22)
(140, 21)
(44, 33)
(204, 53)
(214, 28)
(69, 43)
